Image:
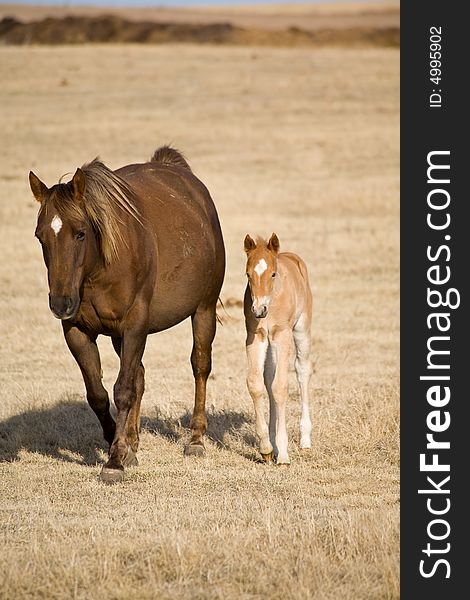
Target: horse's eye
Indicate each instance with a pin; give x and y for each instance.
(80, 235)
(273, 275)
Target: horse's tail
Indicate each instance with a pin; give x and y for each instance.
(167, 155)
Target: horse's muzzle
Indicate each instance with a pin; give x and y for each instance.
(63, 307)
(260, 312)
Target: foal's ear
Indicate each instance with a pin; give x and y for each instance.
(78, 183)
(38, 188)
(273, 243)
(249, 243)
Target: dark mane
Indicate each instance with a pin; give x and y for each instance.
(167, 155)
(106, 197)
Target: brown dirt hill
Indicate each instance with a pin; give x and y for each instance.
(115, 29)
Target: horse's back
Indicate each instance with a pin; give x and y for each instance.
(160, 186)
(181, 220)
(296, 265)
(299, 281)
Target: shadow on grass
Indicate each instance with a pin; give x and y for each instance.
(70, 431)
(66, 431)
(227, 429)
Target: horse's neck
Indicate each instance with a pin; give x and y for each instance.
(282, 274)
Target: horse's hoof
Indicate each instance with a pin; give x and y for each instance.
(131, 459)
(283, 462)
(268, 458)
(195, 450)
(111, 476)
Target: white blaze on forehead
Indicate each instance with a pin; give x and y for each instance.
(56, 224)
(261, 267)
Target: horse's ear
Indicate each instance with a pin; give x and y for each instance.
(38, 188)
(249, 243)
(78, 183)
(273, 243)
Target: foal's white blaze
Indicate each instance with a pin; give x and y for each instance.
(56, 224)
(261, 267)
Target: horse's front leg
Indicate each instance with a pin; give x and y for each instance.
(126, 392)
(204, 325)
(133, 421)
(85, 352)
(280, 346)
(256, 348)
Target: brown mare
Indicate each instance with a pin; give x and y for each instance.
(128, 253)
(278, 307)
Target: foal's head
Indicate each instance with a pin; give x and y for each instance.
(261, 270)
(67, 241)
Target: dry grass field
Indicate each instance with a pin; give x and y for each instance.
(298, 141)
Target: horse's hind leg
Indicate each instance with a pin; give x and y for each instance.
(204, 325)
(303, 369)
(133, 420)
(85, 352)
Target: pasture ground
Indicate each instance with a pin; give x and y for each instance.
(298, 141)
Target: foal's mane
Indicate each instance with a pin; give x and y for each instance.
(106, 199)
(261, 242)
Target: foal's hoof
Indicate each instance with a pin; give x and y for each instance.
(195, 450)
(131, 459)
(111, 476)
(268, 458)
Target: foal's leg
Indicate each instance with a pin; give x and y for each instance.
(280, 346)
(256, 346)
(269, 372)
(203, 323)
(303, 368)
(85, 352)
(125, 398)
(133, 421)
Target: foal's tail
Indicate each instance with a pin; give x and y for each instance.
(219, 318)
(167, 155)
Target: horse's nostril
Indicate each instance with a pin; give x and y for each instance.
(260, 312)
(61, 306)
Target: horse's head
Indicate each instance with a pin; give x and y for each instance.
(261, 270)
(67, 240)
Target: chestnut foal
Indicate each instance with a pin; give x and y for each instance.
(278, 307)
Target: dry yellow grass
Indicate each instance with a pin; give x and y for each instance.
(301, 142)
